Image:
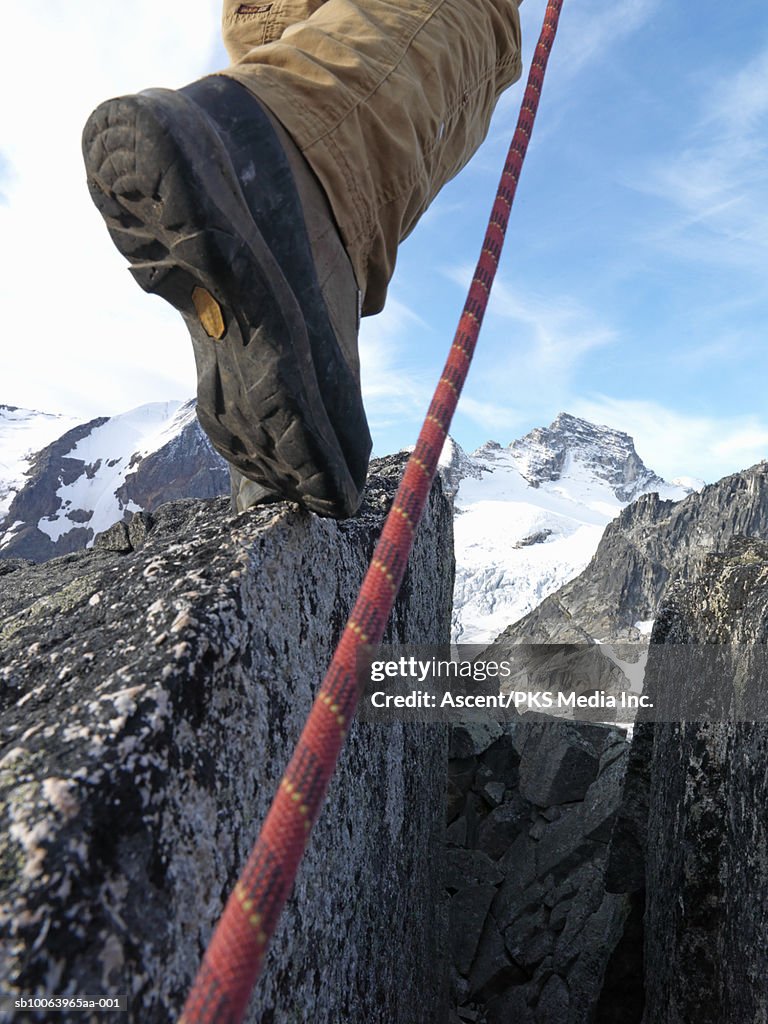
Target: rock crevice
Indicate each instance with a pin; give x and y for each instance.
(530, 811)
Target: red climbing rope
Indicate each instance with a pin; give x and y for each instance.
(234, 958)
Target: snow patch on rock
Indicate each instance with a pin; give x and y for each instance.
(22, 433)
(110, 452)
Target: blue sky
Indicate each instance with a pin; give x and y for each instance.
(633, 289)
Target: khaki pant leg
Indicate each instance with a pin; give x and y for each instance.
(387, 101)
(244, 26)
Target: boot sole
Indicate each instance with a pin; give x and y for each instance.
(275, 395)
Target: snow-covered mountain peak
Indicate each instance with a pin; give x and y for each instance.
(530, 516)
(570, 446)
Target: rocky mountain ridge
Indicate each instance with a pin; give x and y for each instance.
(97, 473)
(529, 516)
(649, 545)
(609, 455)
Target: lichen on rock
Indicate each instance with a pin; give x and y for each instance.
(150, 699)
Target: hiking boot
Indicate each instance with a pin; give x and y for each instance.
(214, 206)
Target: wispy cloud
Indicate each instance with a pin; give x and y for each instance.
(499, 421)
(394, 390)
(674, 443)
(716, 180)
(591, 30)
(560, 331)
(554, 331)
(589, 34)
(728, 347)
(741, 100)
(532, 349)
(397, 389)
